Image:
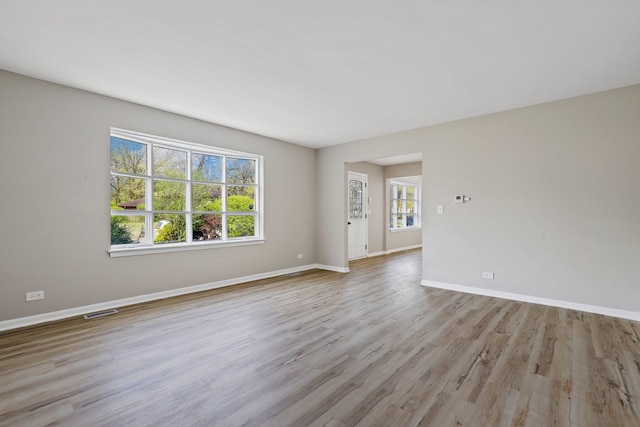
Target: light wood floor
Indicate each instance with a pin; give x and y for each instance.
(371, 347)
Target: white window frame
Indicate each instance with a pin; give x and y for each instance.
(398, 206)
(148, 246)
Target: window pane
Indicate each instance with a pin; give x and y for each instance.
(169, 163)
(127, 192)
(169, 228)
(240, 199)
(410, 220)
(206, 168)
(240, 226)
(241, 171)
(405, 206)
(206, 197)
(241, 190)
(207, 227)
(411, 192)
(126, 230)
(128, 156)
(180, 192)
(169, 196)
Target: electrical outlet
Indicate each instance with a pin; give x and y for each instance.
(33, 296)
(488, 275)
(300, 256)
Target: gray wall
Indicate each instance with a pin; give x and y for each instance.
(54, 189)
(555, 211)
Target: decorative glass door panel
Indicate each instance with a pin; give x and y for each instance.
(357, 215)
(355, 199)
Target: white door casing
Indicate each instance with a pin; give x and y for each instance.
(357, 214)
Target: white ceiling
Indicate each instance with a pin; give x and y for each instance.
(397, 160)
(326, 72)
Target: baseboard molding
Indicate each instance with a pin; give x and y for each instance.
(332, 268)
(390, 251)
(372, 254)
(614, 312)
(79, 311)
(405, 248)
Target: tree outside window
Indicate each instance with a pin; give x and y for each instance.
(184, 193)
(405, 205)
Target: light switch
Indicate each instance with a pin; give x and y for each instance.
(440, 209)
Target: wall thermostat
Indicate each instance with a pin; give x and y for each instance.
(461, 198)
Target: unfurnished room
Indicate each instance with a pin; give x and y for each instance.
(326, 214)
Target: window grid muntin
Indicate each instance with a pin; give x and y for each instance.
(190, 148)
(398, 205)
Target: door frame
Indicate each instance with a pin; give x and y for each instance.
(365, 202)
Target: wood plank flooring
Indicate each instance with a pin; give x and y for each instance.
(367, 348)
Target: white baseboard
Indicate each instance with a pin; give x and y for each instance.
(390, 251)
(405, 248)
(78, 311)
(372, 254)
(332, 268)
(614, 312)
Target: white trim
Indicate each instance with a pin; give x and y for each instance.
(400, 212)
(404, 248)
(405, 229)
(332, 268)
(607, 311)
(152, 141)
(120, 251)
(372, 254)
(79, 311)
(390, 251)
(146, 138)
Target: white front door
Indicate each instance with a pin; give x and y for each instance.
(357, 217)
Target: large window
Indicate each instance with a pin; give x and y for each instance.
(167, 193)
(405, 205)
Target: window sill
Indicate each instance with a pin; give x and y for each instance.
(178, 247)
(399, 230)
